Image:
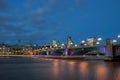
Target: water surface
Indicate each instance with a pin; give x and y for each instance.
(54, 69)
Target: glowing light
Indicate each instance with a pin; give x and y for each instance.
(97, 42)
(62, 44)
(66, 52)
(55, 45)
(83, 68)
(75, 45)
(82, 41)
(119, 36)
(101, 71)
(99, 39)
(114, 41)
(71, 43)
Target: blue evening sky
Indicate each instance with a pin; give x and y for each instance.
(41, 21)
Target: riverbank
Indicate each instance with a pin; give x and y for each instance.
(58, 57)
(103, 58)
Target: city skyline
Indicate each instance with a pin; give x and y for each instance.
(45, 20)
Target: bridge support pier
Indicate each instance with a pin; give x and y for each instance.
(109, 48)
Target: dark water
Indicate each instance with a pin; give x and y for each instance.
(53, 69)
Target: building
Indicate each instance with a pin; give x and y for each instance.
(70, 43)
(55, 43)
(91, 41)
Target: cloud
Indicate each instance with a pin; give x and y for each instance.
(26, 23)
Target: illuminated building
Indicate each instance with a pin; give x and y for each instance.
(83, 43)
(55, 43)
(70, 42)
(91, 41)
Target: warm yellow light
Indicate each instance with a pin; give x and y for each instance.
(97, 42)
(71, 43)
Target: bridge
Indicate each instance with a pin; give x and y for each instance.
(111, 50)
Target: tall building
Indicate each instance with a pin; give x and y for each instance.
(55, 43)
(70, 43)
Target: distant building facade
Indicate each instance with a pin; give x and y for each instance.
(70, 43)
(91, 41)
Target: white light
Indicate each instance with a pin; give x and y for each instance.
(82, 41)
(62, 44)
(119, 36)
(75, 45)
(97, 42)
(99, 39)
(114, 41)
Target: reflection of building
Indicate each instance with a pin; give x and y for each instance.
(91, 41)
(70, 42)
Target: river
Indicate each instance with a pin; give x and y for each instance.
(55, 69)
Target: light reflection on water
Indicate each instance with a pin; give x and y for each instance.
(54, 69)
(101, 72)
(83, 70)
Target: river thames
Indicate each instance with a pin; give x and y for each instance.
(56, 69)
